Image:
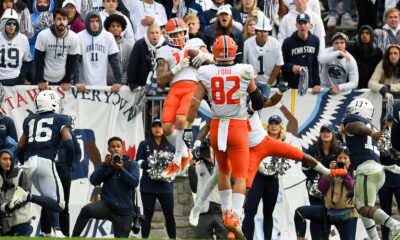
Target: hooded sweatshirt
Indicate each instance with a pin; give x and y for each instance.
(97, 50)
(54, 56)
(77, 25)
(11, 68)
(125, 48)
(367, 59)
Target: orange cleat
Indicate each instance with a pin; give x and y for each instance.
(231, 235)
(232, 223)
(185, 160)
(339, 172)
(171, 169)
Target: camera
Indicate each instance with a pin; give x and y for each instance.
(116, 158)
(340, 164)
(137, 223)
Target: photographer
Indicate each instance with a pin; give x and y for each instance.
(338, 208)
(14, 221)
(120, 177)
(210, 219)
(154, 155)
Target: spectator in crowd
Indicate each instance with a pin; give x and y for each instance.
(211, 14)
(249, 28)
(55, 54)
(119, 176)
(224, 26)
(110, 7)
(75, 22)
(367, 13)
(15, 45)
(272, 9)
(116, 24)
(15, 220)
(347, 20)
(41, 19)
(8, 133)
(141, 64)
(288, 23)
(301, 50)
(335, 192)
(193, 23)
(385, 78)
(153, 186)
(390, 33)
(324, 151)
(339, 69)
(264, 54)
(144, 14)
(314, 5)
(98, 48)
(366, 54)
(391, 187)
(181, 8)
(210, 219)
(24, 17)
(247, 9)
(391, 4)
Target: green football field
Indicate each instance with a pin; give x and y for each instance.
(51, 238)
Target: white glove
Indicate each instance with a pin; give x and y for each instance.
(180, 66)
(201, 58)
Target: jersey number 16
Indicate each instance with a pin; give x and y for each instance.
(42, 133)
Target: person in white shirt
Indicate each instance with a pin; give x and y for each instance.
(288, 24)
(264, 54)
(98, 48)
(313, 4)
(390, 33)
(145, 13)
(56, 49)
(110, 7)
(339, 68)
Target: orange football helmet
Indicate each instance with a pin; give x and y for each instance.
(224, 48)
(175, 25)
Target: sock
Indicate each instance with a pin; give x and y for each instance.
(207, 189)
(370, 226)
(382, 218)
(225, 197)
(172, 138)
(237, 204)
(321, 169)
(180, 146)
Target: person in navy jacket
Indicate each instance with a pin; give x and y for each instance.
(119, 178)
(152, 189)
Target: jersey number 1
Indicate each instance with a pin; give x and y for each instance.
(43, 133)
(217, 86)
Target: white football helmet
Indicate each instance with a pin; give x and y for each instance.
(362, 107)
(47, 101)
(263, 24)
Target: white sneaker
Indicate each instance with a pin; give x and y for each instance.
(396, 233)
(194, 217)
(58, 234)
(332, 21)
(347, 21)
(42, 234)
(19, 196)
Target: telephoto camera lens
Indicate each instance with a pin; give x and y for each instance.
(340, 164)
(116, 158)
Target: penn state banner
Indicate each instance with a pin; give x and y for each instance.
(97, 115)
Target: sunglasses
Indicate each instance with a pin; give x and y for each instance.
(9, 23)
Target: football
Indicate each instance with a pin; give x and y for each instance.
(192, 53)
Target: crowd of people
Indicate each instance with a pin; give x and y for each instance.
(243, 48)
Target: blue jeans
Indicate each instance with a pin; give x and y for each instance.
(23, 229)
(386, 197)
(265, 90)
(347, 229)
(333, 4)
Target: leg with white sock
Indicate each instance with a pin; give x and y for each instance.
(370, 227)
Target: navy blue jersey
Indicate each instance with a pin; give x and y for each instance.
(362, 148)
(395, 135)
(43, 132)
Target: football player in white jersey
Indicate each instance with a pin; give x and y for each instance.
(15, 53)
(173, 69)
(228, 85)
(265, 54)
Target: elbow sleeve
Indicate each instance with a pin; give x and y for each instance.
(257, 100)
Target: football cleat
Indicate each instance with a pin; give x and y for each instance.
(232, 223)
(194, 216)
(171, 169)
(185, 160)
(339, 172)
(19, 196)
(231, 235)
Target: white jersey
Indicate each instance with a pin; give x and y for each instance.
(257, 132)
(263, 58)
(56, 51)
(227, 89)
(12, 54)
(173, 55)
(128, 32)
(95, 51)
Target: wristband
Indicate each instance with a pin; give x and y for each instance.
(188, 125)
(268, 85)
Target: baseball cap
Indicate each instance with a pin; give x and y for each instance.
(224, 9)
(68, 1)
(156, 121)
(390, 117)
(327, 127)
(275, 118)
(340, 34)
(302, 17)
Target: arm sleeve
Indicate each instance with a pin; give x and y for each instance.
(78, 61)
(114, 63)
(69, 68)
(39, 60)
(353, 77)
(378, 75)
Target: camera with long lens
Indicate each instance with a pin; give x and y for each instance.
(340, 164)
(116, 158)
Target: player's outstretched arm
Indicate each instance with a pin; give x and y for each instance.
(359, 128)
(257, 99)
(66, 137)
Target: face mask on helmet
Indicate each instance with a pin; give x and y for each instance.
(173, 27)
(361, 107)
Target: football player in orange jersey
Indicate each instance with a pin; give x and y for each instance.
(173, 68)
(228, 85)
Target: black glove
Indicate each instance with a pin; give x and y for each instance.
(283, 86)
(188, 137)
